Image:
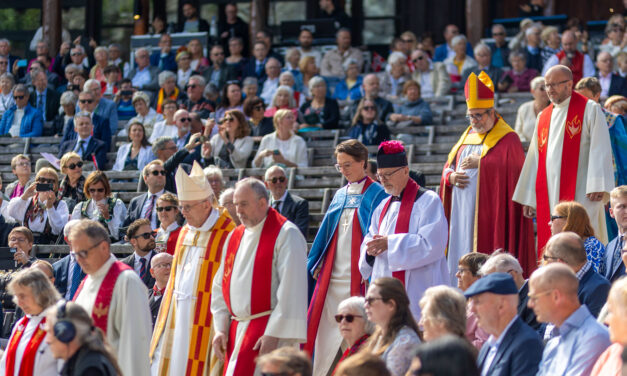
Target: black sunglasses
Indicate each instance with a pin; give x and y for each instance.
(275, 180)
(74, 165)
(156, 173)
(418, 59)
(191, 86)
(45, 181)
(20, 97)
(166, 208)
(145, 235)
(86, 101)
(185, 119)
(369, 108)
(94, 190)
(349, 318)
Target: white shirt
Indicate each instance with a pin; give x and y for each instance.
(269, 88)
(294, 149)
(605, 82)
(162, 129)
(57, 217)
(119, 213)
(17, 122)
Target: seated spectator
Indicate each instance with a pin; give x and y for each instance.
(432, 76)
(370, 88)
(616, 104)
(447, 50)
(366, 126)
(135, 154)
(615, 267)
(615, 33)
(143, 75)
(265, 35)
(305, 41)
(333, 60)
(184, 69)
(21, 168)
(321, 111)
(552, 42)
(308, 69)
(576, 339)
(443, 312)
(164, 59)
(68, 103)
(21, 238)
(231, 99)
(260, 124)
(167, 82)
(67, 272)
(396, 333)
(285, 361)
(446, 356)
(350, 87)
(124, 100)
(40, 210)
(500, 50)
(169, 227)
(226, 201)
(160, 266)
(292, 65)
(413, 109)
(103, 107)
(459, 63)
(71, 188)
(568, 248)
(467, 274)
(282, 146)
(21, 120)
(44, 98)
(353, 325)
(7, 81)
(255, 66)
(610, 363)
(483, 57)
(611, 83)
(167, 126)
(532, 50)
(287, 79)
(198, 61)
(581, 65)
(271, 80)
(517, 79)
(87, 349)
(141, 237)
(182, 120)
(144, 205)
(115, 55)
(528, 111)
(232, 146)
(283, 98)
(291, 206)
(195, 101)
(216, 180)
(87, 147)
(395, 76)
(101, 55)
(100, 205)
(212, 95)
(362, 364)
(146, 115)
(236, 60)
(218, 73)
(250, 86)
(100, 126)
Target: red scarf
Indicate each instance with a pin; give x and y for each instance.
(576, 64)
(27, 366)
(352, 350)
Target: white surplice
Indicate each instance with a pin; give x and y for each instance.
(45, 363)
(288, 320)
(420, 252)
(595, 171)
(129, 326)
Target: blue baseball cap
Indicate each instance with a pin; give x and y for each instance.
(496, 283)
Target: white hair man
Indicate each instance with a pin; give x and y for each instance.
(291, 206)
(104, 107)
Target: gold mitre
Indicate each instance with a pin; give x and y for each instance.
(194, 186)
(479, 91)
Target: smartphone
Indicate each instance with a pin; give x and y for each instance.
(203, 139)
(126, 92)
(276, 152)
(22, 63)
(12, 250)
(43, 187)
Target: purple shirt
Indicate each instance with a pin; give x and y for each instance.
(523, 80)
(18, 191)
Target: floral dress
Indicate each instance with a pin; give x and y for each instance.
(596, 254)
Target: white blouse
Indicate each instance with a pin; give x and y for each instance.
(143, 158)
(57, 217)
(239, 156)
(119, 214)
(294, 149)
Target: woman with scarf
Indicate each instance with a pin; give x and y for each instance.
(72, 185)
(353, 324)
(167, 83)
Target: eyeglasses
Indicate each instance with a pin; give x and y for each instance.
(18, 97)
(189, 207)
(551, 86)
(159, 172)
(163, 265)
(388, 175)
(24, 164)
(185, 120)
(369, 108)
(17, 240)
(44, 181)
(83, 101)
(476, 117)
(3, 62)
(461, 270)
(94, 190)
(277, 179)
(76, 54)
(85, 252)
(145, 235)
(166, 208)
(227, 119)
(232, 82)
(547, 258)
(349, 318)
(372, 300)
(193, 86)
(534, 297)
(340, 167)
(498, 34)
(407, 40)
(75, 165)
(554, 217)
(419, 58)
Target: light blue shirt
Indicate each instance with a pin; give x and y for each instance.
(493, 344)
(141, 78)
(578, 343)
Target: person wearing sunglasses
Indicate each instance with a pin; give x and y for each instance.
(160, 267)
(142, 238)
(289, 205)
(170, 226)
(22, 120)
(145, 205)
(100, 205)
(528, 112)
(367, 128)
(260, 125)
(232, 146)
(71, 188)
(135, 154)
(353, 325)
(432, 76)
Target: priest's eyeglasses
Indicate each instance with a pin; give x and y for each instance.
(343, 166)
(388, 175)
(85, 252)
(476, 117)
(551, 86)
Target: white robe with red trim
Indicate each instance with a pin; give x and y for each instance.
(595, 171)
(45, 363)
(288, 320)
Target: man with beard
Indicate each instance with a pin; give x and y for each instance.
(142, 238)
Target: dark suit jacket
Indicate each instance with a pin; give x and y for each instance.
(525, 313)
(226, 74)
(135, 209)
(533, 61)
(169, 62)
(51, 105)
(102, 130)
(618, 86)
(250, 70)
(614, 269)
(296, 209)
(61, 272)
(593, 290)
(148, 280)
(519, 353)
(95, 147)
(171, 165)
(154, 302)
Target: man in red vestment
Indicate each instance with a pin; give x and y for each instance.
(580, 64)
(478, 182)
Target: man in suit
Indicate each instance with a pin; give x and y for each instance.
(164, 59)
(432, 76)
(101, 128)
(103, 107)
(218, 73)
(183, 121)
(159, 270)
(256, 67)
(513, 347)
(611, 83)
(145, 205)
(85, 145)
(142, 239)
(568, 248)
(67, 272)
(144, 76)
(533, 51)
(575, 338)
(483, 55)
(614, 266)
(43, 98)
(22, 120)
(370, 87)
(443, 51)
(292, 207)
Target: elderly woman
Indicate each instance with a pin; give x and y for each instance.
(572, 216)
(216, 179)
(71, 189)
(100, 205)
(168, 90)
(517, 79)
(21, 240)
(101, 55)
(68, 103)
(366, 126)
(169, 229)
(467, 273)
(166, 127)
(413, 109)
(20, 167)
(528, 111)
(232, 145)
(353, 324)
(287, 79)
(395, 76)
(350, 87)
(137, 152)
(260, 125)
(321, 111)
(610, 362)
(39, 209)
(282, 147)
(552, 42)
(184, 72)
(231, 99)
(283, 99)
(145, 114)
(443, 311)
(7, 81)
(459, 62)
(198, 60)
(27, 353)
(387, 306)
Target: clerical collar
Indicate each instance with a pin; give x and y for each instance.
(359, 181)
(399, 197)
(209, 222)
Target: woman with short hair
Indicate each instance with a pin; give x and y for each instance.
(443, 311)
(169, 228)
(146, 115)
(353, 325)
(73, 183)
(395, 76)
(185, 71)
(283, 99)
(528, 111)
(459, 62)
(350, 87)
(68, 103)
(231, 99)
(136, 153)
(321, 111)
(282, 146)
(7, 81)
(166, 127)
(101, 56)
(309, 69)
(21, 168)
(168, 90)
(260, 124)
(366, 126)
(467, 274)
(232, 146)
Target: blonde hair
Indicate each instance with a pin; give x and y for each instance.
(618, 192)
(65, 159)
(279, 115)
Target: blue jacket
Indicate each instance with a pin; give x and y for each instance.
(343, 92)
(102, 131)
(417, 108)
(169, 62)
(95, 148)
(32, 121)
(108, 109)
(61, 271)
(614, 268)
(593, 291)
(519, 354)
(441, 52)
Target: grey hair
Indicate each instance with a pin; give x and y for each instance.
(115, 45)
(461, 38)
(79, 47)
(140, 49)
(448, 306)
(82, 114)
(68, 227)
(531, 30)
(5, 40)
(92, 229)
(164, 76)
(287, 73)
(500, 263)
(536, 82)
(250, 81)
(200, 79)
(159, 143)
(224, 194)
(292, 101)
(271, 169)
(315, 81)
(213, 170)
(396, 57)
(67, 98)
(256, 185)
(89, 83)
(41, 287)
(21, 88)
(356, 304)
(348, 62)
(482, 46)
(8, 76)
(35, 72)
(101, 49)
(518, 54)
(72, 66)
(499, 26)
(210, 89)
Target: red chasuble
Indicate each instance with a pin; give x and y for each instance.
(576, 64)
(261, 291)
(100, 312)
(570, 162)
(27, 367)
(499, 221)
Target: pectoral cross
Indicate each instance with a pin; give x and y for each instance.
(346, 224)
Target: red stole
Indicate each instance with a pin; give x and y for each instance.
(171, 243)
(570, 163)
(27, 366)
(260, 299)
(404, 214)
(100, 312)
(322, 286)
(576, 64)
